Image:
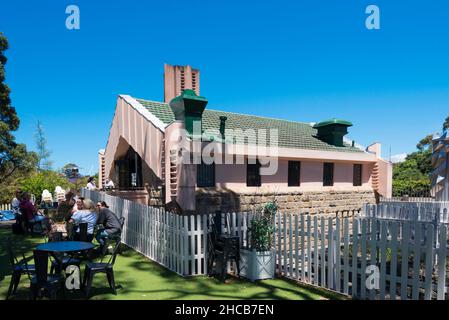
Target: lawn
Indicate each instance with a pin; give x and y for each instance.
(138, 278)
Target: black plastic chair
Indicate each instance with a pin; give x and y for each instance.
(93, 268)
(18, 268)
(56, 237)
(216, 246)
(223, 248)
(52, 283)
(83, 236)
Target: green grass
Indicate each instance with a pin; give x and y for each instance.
(137, 278)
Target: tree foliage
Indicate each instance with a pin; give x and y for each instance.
(412, 177)
(14, 157)
(41, 144)
(39, 181)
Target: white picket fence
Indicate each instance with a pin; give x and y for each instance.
(342, 254)
(434, 212)
(179, 243)
(5, 207)
(336, 252)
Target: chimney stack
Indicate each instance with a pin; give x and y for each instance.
(179, 78)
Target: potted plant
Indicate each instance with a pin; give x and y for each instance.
(258, 261)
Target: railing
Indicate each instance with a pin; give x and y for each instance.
(432, 212)
(365, 258)
(367, 255)
(179, 243)
(5, 207)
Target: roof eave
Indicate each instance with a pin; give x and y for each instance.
(144, 112)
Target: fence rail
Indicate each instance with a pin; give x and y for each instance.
(373, 254)
(179, 243)
(5, 207)
(434, 212)
(375, 259)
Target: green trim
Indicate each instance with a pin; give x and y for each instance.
(333, 121)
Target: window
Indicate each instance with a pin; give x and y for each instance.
(328, 174)
(357, 175)
(294, 173)
(253, 175)
(205, 175)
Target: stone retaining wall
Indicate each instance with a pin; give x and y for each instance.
(210, 200)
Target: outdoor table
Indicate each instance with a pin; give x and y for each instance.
(68, 247)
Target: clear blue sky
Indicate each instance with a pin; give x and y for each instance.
(305, 60)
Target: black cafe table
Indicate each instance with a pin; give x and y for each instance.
(70, 247)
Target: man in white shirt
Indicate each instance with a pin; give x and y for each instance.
(16, 202)
(91, 184)
(109, 184)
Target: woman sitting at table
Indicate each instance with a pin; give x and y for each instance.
(30, 213)
(87, 215)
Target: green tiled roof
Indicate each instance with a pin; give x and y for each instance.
(297, 135)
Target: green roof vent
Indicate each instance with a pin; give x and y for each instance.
(189, 107)
(332, 131)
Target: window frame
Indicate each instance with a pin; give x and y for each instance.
(357, 183)
(294, 180)
(257, 178)
(198, 175)
(328, 181)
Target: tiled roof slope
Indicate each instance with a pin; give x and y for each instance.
(292, 134)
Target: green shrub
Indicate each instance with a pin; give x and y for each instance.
(262, 228)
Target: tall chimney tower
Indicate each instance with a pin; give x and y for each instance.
(179, 78)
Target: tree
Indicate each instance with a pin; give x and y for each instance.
(412, 176)
(37, 182)
(41, 143)
(71, 171)
(446, 124)
(13, 156)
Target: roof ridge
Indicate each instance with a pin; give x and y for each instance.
(236, 113)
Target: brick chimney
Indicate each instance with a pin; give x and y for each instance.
(179, 78)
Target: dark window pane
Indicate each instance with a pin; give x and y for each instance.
(253, 175)
(357, 176)
(294, 173)
(328, 174)
(205, 175)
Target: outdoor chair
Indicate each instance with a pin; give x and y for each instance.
(93, 268)
(52, 283)
(63, 260)
(224, 248)
(216, 246)
(83, 232)
(18, 268)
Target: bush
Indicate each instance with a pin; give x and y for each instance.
(262, 228)
(37, 182)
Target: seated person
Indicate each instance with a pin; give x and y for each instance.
(65, 207)
(87, 215)
(29, 211)
(109, 221)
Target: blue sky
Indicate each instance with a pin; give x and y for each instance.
(305, 60)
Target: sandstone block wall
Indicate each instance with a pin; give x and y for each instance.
(211, 200)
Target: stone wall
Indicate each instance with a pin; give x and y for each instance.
(208, 200)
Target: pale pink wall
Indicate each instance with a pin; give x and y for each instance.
(234, 177)
(130, 128)
(385, 179)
